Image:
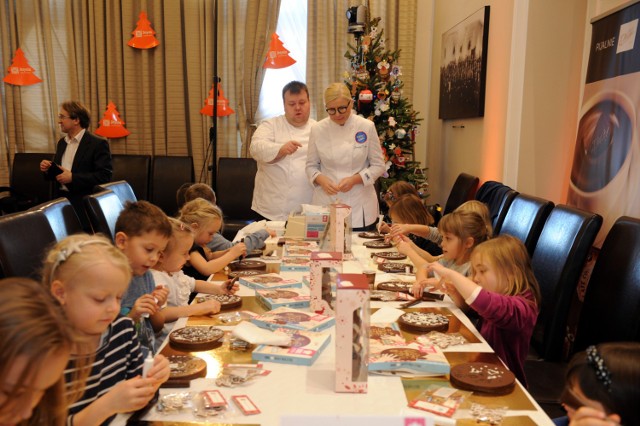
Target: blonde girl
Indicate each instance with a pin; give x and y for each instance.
(168, 272)
(205, 220)
(461, 231)
(35, 343)
(88, 276)
(505, 294)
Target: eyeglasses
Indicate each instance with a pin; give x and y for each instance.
(60, 116)
(339, 110)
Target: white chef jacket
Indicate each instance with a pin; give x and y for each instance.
(280, 187)
(342, 151)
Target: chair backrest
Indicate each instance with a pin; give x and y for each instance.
(560, 254)
(464, 189)
(61, 217)
(611, 308)
(27, 183)
(103, 209)
(525, 219)
(168, 174)
(121, 188)
(498, 197)
(235, 183)
(25, 238)
(136, 170)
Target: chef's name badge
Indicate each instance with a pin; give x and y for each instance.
(361, 137)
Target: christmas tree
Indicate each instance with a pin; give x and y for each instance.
(376, 87)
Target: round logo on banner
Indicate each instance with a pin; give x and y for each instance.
(361, 137)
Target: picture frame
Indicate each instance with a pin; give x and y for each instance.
(463, 67)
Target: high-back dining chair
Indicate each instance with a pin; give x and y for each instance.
(61, 216)
(25, 238)
(168, 173)
(525, 218)
(557, 262)
(611, 308)
(103, 209)
(28, 187)
(136, 170)
(122, 189)
(498, 198)
(463, 189)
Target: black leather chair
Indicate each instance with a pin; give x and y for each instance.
(136, 170)
(167, 175)
(525, 219)
(611, 309)
(498, 197)
(235, 182)
(27, 187)
(25, 238)
(61, 217)
(557, 262)
(121, 188)
(464, 189)
(103, 209)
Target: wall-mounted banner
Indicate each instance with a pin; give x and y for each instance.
(606, 163)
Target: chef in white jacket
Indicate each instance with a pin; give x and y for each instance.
(279, 146)
(345, 158)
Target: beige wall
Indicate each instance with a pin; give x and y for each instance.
(537, 58)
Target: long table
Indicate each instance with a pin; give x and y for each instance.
(293, 394)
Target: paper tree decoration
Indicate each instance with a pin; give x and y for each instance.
(20, 72)
(223, 104)
(143, 35)
(111, 125)
(277, 56)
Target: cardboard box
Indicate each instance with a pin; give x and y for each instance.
(305, 349)
(352, 333)
(297, 264)
(269, 281)
(287, 297)
(293, 318)
(340, 229)
(323, 269)
(309, 226)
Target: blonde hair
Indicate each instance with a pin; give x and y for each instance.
(336, 91)
(199, 211)
(33, 326)
(480, 208)
(465, 224)
(511, 263)
(179, 229)
(78, 252)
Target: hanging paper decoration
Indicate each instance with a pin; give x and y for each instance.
(20, 72)
(111, 125)
(143, 35)
(277, 56)
(223, 104)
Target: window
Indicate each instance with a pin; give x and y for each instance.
(292, 31)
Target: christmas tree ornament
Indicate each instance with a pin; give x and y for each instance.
(366, 96)
(111, 125)
(392, 122)
(143, 35)
(383, 69)
(278, 55)
(401, 133)
(362, 75)
(20, 72)
(223, 104)
(395, 95)
(382, 94)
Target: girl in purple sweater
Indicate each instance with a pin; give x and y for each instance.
(505, 294)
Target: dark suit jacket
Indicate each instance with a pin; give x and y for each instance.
(91, 164)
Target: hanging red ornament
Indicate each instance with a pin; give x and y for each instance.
(143, 35)
(277, 56)
(223, 104)
(20, 72)
(365, 96)
(111, 125)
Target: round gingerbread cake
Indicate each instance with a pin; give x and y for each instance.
(484, 377)
(254, 253)
(400, 286)
(186, 367)
(370, 235)
(247, 273)
(227, 301)
(389, 255)
(377, 244)
(423, 322)
(393, 267)
(244, 265)
(196, 338)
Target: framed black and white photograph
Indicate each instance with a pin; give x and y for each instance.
(463, 68)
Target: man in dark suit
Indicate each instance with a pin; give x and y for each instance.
(83, 159)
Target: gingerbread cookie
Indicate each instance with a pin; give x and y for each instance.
(196, 338)
(186, 367)
(484, 377)
(377, 244)
(227, 301)
(389, 255)
(395, 268)
(423, 322)
(401, 286)
(244, 265)
(248, 273)
(371, 235)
